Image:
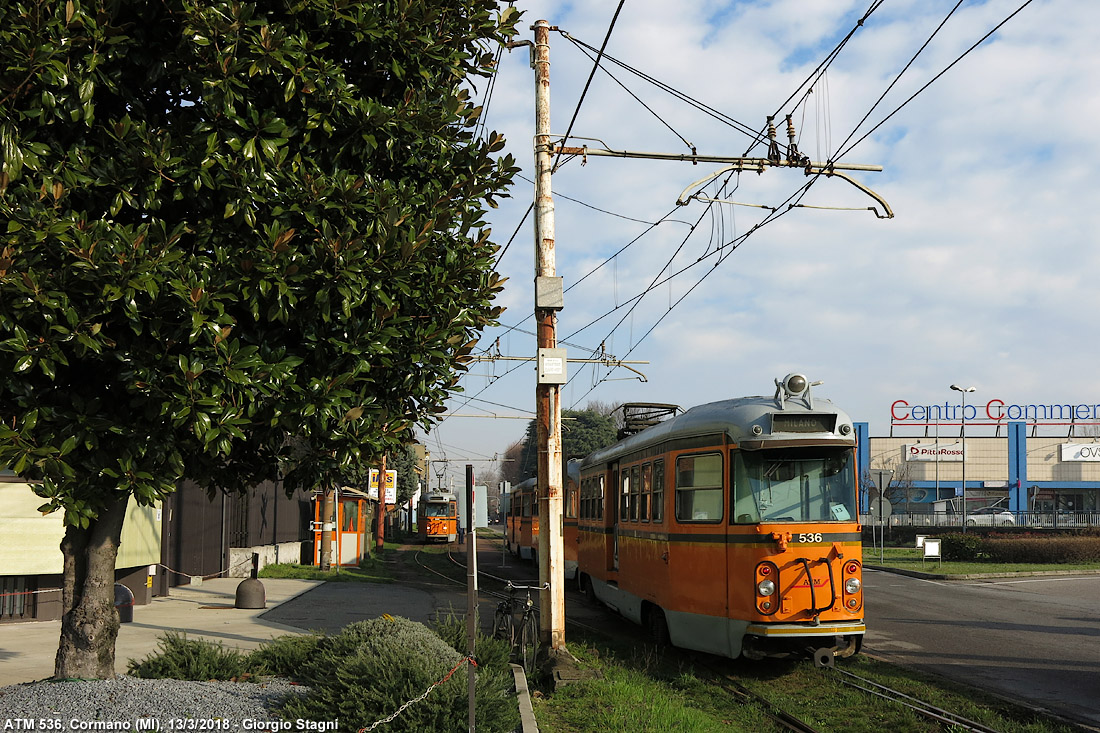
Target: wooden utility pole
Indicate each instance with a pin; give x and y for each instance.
(551, 361)
(379, 526)
(327, 516)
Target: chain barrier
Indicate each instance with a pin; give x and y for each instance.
(160, 565)
(247, 561)
(401, 709)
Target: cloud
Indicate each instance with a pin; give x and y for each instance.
(985, 275)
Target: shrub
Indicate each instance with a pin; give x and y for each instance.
(181, 658)
(1043, 549)
(284, 656)
(962, 547)
(372, 668)
(490, 653)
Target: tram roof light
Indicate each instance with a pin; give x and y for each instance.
(795, 384)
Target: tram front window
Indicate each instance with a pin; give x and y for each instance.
(434, 510)
(794, 485)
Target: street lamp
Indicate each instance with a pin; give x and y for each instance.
(963, 390)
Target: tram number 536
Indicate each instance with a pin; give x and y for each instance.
(810, 537)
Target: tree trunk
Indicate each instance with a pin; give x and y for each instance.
(89, 621)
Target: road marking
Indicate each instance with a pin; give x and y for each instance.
(1028, 580)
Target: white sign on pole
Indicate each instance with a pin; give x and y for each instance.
(391, 486)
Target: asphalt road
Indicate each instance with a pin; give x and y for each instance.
(1033, 639)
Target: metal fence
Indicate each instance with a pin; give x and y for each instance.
(1046, 520)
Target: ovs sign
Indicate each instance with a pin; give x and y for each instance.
(1081, 452)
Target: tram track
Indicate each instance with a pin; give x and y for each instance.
(785, 720)
(922, 708)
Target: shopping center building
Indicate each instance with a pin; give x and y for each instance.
(1032, 458)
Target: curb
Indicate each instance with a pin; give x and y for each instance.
(980, 576)
(526, 711)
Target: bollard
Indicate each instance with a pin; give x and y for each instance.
(124, 603)
(250, 592)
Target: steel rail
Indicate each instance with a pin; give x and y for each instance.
(919, 706)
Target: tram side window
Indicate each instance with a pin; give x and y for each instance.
(571, 500)
(699, 488)
(658, 502)
(635, 491)
(599, 497)
(624, 495)
(646, 493)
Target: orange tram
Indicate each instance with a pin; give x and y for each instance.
(732, 528)
(521, 534)
(437, 517)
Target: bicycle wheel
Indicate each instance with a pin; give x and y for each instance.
(529, 642)
(503, 626)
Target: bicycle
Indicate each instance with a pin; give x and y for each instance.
(522, 638)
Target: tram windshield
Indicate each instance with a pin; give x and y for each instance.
(794, 485)
(434, 510)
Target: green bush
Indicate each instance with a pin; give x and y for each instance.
(490, 653)
(284, 656)
(181, 658)
(370, 669)
(1062, 549)
(962, 547)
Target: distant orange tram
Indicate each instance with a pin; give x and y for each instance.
(437, 517)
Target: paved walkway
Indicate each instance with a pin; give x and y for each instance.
(207, 611)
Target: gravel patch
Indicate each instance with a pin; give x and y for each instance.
(129, 703)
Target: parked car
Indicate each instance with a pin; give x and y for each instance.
(990, 516)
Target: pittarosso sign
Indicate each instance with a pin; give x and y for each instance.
(947, 452)
(1080, 451)
(901, 412)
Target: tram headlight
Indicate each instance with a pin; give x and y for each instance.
(765, 587)
(852, 586)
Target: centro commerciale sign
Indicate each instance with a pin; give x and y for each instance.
(994, 411)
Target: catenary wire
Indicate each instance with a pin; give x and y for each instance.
(803, 190)
(898, 77)
(596, 65)
(936, 77)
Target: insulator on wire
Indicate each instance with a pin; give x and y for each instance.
(773, 146)
(792, 146)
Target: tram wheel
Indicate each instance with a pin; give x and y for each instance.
(657, 627)
(587, 588)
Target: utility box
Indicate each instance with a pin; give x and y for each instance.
(549, 293)
(552, 366)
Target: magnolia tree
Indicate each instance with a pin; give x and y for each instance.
(237, 239)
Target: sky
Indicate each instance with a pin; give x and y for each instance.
(985, 276)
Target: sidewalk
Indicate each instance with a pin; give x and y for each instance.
(205, 611)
